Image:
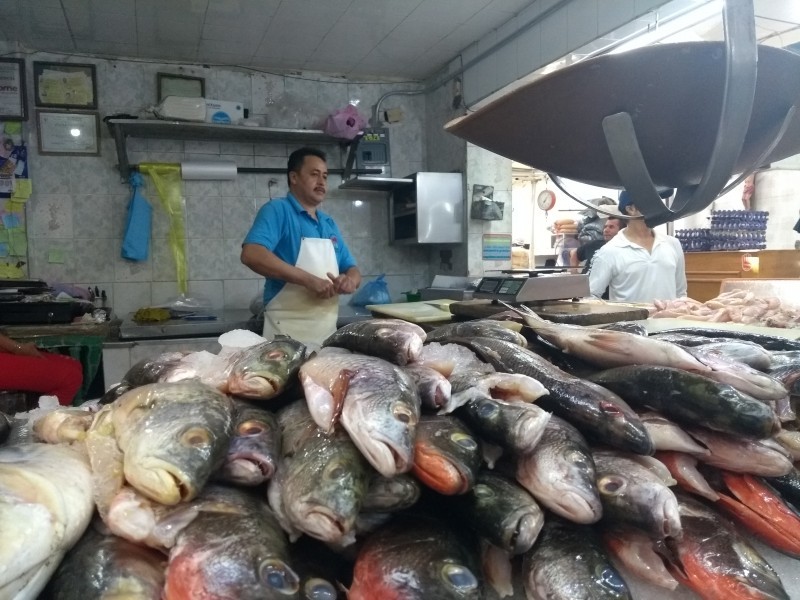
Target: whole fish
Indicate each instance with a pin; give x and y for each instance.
(560, 473)
(502, 512)
(395, 340)
(749, 353)
(434, 388)
(478, 328)
(607, 348)
(45, 506)
(594, 410)
(417, 559)
(254, 446)
(515, 426)
(378, 401)
(636, 551)
(447, 456)
(569, 563)
(768, 342)
(745, 379)
(166, 439)
(741, 454)
(263, 371)
(233, 550)
(632, 495)
(667, 435)
(713, 560)
(752, 503)
(150, 370)
(789, 376)
(106, 566)
(690, 398)
(390, 494)
(321, 480)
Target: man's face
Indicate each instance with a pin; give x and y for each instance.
(310, 184)
(611, 228)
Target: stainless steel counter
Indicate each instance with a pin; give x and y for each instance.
(226, 320)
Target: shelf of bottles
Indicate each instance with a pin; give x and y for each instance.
(728, 230)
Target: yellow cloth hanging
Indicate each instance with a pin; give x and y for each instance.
(167, 179)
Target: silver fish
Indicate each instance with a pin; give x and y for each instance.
(479, 328)
(743, 455)
(254, 446)
(395, 340)
(434, 388)
(321, 481)
(634, 496)
(263, 371)
(380, 405)
(739, 375)
(667, 435)
(560, 473)
(450, 359)
(606, 348)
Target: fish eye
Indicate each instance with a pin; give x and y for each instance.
(196, 437)
(275, 354)
(337, 472)
(319, 589)
(459, 577)
(487, 409)
(384, 332)
(482, 491)
(609, 578)
(611, 484)
(252, 428)
(403, 414)
(464, 440)
(278, 576)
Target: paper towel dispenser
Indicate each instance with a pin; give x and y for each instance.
(427, 210)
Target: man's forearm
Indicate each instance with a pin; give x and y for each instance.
(262, 261)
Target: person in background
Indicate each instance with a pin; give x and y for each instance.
(639, 264)
(300, 251)
(585, 253)
(25, 368)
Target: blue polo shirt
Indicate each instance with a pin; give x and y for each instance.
(280, 226)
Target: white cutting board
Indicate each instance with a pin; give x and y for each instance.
(415, 312)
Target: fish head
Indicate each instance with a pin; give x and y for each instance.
(178, 441)
(383, 423)
(650, 505)
(262, 371)
(447, 456)
(406, 344)
(251, 457)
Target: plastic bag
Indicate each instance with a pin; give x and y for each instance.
(373, 292)
(345, 123)
(136, 239)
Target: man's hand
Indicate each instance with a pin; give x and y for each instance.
(343, 284)
(321, 288)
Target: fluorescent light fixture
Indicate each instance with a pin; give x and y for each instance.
(672, 27)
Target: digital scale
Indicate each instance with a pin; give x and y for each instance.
(533, 286)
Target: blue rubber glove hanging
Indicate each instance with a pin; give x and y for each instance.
(136, 240)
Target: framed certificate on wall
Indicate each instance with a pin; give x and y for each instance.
(13, 103)
(65, 85)
(62, 132)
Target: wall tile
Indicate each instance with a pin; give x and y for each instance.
(206, 258)
(50, 215)
(90, 217)
(237, 217)
(52, 174)
(131, 271)
(40, 253)
(239, 293)
(554, 36)
(203, 217)
(234, 269)
(130, 297)
(164, 292)
(94, 258)
(210, 292)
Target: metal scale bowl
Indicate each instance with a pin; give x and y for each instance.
(687, 116)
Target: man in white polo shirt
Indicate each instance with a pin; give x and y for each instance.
(638, 264)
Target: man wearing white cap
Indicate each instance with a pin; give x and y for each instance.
(639, 264)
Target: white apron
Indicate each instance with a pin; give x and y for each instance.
(295, 311)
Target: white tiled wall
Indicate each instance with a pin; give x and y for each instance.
(79, 204)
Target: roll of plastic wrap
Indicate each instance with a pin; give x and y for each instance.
(196, 169)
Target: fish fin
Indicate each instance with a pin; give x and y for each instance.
(530, 317)
(338, 391)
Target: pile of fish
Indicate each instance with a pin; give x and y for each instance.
(476, 460)
(735, 306)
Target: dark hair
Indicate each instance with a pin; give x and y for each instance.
(622, 222)
(297, 158)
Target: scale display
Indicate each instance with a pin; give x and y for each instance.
(555, 286)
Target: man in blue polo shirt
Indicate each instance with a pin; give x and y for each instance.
(300, 251)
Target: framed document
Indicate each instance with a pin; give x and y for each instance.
(62, 132)
(170, 84)
(13, 103)
(64, 85)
